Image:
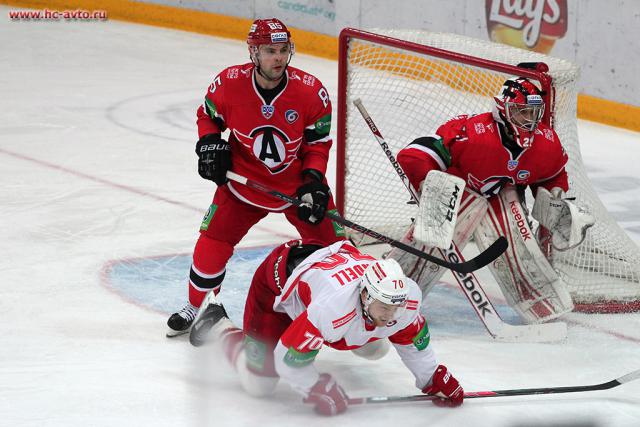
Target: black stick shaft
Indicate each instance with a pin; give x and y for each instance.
(491, 253)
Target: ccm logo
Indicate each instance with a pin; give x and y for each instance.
(452, 203)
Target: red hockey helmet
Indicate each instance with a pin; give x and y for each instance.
(268, 31)
(520, 105)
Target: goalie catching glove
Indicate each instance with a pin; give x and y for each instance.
(438, 211)
(566, 222)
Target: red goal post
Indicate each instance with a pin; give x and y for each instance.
(412, 81)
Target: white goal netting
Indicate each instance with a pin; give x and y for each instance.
(410, 93)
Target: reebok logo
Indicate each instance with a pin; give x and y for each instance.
(393, 160)
(469, 283)
(520, 222)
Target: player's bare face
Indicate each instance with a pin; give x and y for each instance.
(273, 60)
(382, 313)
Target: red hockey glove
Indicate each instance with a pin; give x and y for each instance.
(446, 387)
(327, 396)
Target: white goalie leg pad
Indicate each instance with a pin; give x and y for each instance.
(440, 198)
(425, 273)
(374, 350)
(528, 281)
(567, 223)
(255, 385)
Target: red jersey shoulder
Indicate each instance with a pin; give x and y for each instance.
(303, 80)
(309, 86)
(235, 73)
(454, 128)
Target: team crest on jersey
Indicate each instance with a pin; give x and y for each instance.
(523, 175)
(479, 128)
(308, 80)
(267, 111)
(291, 116)
(490, 186)
(232, 73)
(271, 146)
(512, 165)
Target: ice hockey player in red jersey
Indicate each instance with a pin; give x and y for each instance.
(492, 150)
(278, 119)
(499, 154)
(304, 296)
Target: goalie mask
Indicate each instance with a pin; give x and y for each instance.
(520, 107)
(267, 32)
(384, 290)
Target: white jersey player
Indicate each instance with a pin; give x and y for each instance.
(304, 296)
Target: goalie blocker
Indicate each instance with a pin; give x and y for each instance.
(440, 198)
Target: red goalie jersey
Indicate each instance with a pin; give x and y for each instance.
(271, 142)
(472, 148)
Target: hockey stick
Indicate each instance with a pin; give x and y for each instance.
(503, 393)
(484, 258)
(468, 282)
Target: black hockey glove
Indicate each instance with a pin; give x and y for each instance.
(315, 195)
(214, 158)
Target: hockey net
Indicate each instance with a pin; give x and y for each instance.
(413, 81)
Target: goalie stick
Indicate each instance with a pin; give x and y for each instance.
(484, 258)
(497, 328)
(631, 376)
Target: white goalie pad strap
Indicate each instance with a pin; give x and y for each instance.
(425, 273)
(529, 283)
(567, 223)
(440, 198)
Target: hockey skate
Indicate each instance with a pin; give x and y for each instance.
(211, 319)
(180, 323)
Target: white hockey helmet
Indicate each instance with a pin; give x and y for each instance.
(385, 281)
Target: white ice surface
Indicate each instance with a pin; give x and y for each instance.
(97, 127)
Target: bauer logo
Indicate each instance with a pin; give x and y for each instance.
(291, 116)
(278, 37)
(533, 25)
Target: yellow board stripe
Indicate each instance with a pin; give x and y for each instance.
(589, 107)
(609, 112)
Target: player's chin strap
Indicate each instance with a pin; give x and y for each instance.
(365, 309)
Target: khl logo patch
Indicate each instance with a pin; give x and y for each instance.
(267, 111)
